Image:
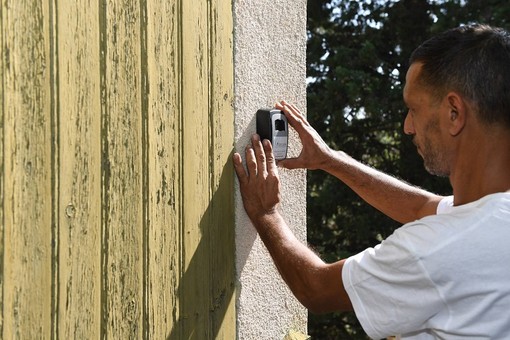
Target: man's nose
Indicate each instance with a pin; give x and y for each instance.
(409, 125)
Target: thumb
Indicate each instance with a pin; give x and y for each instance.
(289, 163)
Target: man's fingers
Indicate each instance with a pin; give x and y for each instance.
(272, 170)
(291, 108)
(251, 161)
(260, 155)
(294, 116)
(255, 161)
(239, 168)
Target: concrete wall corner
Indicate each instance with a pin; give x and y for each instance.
(269, 65)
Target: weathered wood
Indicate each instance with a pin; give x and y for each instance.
(2, 179)
(79, 170)
(165, 168)
(27, 205)
(221, 229)
(123, 172)
(116, 131)
(194, 283)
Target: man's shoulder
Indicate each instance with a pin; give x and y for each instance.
(446, 205)
(459, 222)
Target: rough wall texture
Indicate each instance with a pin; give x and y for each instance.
(269, 57)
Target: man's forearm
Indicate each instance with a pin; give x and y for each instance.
(393, 197)
(308, 277)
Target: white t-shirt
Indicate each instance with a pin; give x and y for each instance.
(445, 276)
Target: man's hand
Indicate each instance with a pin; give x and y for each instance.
(316, 284)
(260, 184)
(315, 154)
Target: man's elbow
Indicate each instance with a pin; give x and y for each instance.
(325, 294)
(318, 308)
(324, 306)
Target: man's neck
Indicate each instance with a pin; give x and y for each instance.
(484, 168)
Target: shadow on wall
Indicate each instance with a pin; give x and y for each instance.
(246, 233)
(206, 291)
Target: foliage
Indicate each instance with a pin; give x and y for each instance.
(357, 59)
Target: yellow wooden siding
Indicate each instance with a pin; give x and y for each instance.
(116, 184)
(165, 185)
(77, 171)
(27, 171)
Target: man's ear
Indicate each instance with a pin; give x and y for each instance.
(458, 113)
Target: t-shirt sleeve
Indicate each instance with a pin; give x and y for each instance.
(389, 286)
(445, 205)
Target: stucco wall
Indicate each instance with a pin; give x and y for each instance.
(270, 65)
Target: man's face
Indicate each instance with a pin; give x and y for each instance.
(424, 124)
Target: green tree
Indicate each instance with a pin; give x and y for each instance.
(357, 60)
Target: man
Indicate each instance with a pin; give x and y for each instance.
(445, 273)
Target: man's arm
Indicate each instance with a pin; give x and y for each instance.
(393, 197)
(317, 285)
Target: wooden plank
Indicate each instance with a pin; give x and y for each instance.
(2, 175)
(123, 195)
(27, 272)
(221, 229)
(194, 289)
(79, 275)
(165, 172)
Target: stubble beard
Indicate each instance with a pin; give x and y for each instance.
(434, 156)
